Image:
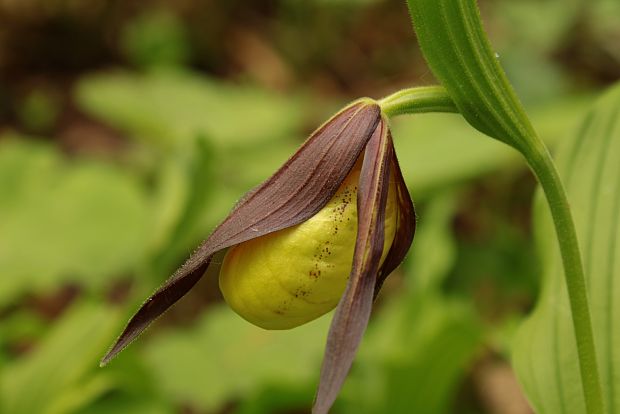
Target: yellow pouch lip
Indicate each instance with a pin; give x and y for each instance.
(295, 275)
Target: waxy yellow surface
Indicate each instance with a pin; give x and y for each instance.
(292, 276)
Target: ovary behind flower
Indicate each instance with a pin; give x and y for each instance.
(287, 278)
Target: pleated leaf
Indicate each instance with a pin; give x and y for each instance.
(545, 353)
(453, 41)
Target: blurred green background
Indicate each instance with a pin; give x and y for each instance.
(128, 129)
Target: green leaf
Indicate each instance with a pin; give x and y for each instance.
(65, 221)
(170, 108)
(189, 364)
(454, 44)
(61, 375)
(545, 354)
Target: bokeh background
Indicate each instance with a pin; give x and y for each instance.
(129, 128)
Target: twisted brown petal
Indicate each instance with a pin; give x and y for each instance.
(297, 191)
(353, 311)
(405, 227)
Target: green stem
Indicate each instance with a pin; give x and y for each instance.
(544, 168)
(418, 100)
(436, 99)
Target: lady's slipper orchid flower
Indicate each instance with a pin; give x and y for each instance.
(292, 256)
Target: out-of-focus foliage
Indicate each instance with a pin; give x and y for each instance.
(38, 111)
(252, 358)
(156, 38)
(59, 376)
(65, 221)
(129, 129)
(545, 351)
(171, 107)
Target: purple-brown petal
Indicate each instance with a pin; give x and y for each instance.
(405, 226)
(353, 311)
(297, 191)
